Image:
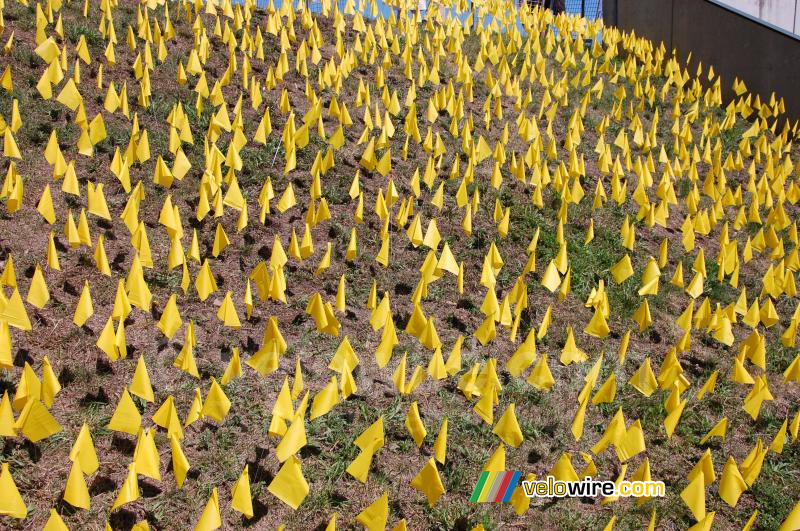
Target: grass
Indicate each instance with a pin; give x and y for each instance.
(714, 289)
(773, 505)
(74, 32)
(458, 517)
(171, 280)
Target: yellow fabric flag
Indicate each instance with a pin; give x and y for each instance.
(126, 417)
(14, 312)
(622, 270)
(719, 430)
(519, 501)
(11, 503)
(497, 461)
(234, 368)
(289, 485)
(694, 495)
(76, 493)
(440, 445)
(643, 380)
(792, 520)
(428, 482)
(50, 384)
(84, 309)
(129, 492)
(571, 353)
(325, 400)
(375, 516)
(180, 465)
(293, 440)
(140, 384)
(241, 499)
(83, 451)
(563, 470)
(6, 417)
(55, 522)
(732, 484)
(597, 327)
(170, 321)
(146, 456)
(36, 422)
(507, 428)
(210, 518)
(38, 293)
(414, 424)
(227, 312)
(359, 467)
(216, 404)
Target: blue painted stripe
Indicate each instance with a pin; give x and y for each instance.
(512, 485)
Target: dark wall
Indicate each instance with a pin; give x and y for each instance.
(649, 18)
(765, 58)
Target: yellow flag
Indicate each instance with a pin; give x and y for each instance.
(440, 445)
(694, 495)
(428, 482)
(126, 417)
(241, 499)
(76, 493)
(216, 404)
(507, 428)
(55, 522)
(210, 518)
(36, 422)
(375, 516)
(414, 424)
(180, 465)
(140, 385)
(84, 309)
(83, 451)
(289, 485)
(11, 503)
(129, 492)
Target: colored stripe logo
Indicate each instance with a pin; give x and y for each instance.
(495, 486)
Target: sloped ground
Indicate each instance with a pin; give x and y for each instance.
(92, 384)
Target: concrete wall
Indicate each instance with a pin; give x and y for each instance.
(780, 13)
(766, 59)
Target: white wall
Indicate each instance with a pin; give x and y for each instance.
(782, 13)
(797, 20)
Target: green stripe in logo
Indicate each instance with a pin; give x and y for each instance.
(479, 487)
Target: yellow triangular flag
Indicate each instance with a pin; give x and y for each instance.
(428, 482)
(289, 485)
(241, 499)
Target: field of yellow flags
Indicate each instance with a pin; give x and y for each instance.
(269, 267)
